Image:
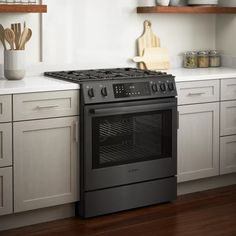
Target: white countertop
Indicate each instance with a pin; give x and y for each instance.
(35, 84)
(44, 84)
(184, 75)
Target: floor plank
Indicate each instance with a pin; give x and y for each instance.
(211, 213)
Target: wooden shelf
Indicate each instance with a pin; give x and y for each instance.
(188, 10)
(15, 8)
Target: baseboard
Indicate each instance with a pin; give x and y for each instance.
(36, 216)
(206, 184)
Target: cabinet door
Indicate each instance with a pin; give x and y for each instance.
(5, 144)
(45, 163)
(6, 206)
(198, 141)
(228, 155)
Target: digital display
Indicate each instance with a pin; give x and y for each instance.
(131, 89)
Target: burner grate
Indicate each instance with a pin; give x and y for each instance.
(104, 74)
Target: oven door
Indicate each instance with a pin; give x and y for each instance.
(129, 142)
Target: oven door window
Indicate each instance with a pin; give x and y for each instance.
(131, 138)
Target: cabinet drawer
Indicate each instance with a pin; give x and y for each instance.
(6, 201)
(228, 155)
(198, 92)
(45, 105)
(5, 144)
(5, 108)
(228, 89)
(228, 118)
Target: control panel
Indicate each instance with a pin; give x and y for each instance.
(125, 90)
(130, 89)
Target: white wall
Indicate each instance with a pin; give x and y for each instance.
(226, 35)
(93, 34)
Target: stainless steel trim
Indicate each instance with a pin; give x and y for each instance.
(196, 94)
(46, 107)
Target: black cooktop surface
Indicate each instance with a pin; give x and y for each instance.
(103, 74)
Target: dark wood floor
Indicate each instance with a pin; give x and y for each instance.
(209, 213)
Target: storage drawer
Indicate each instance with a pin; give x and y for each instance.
(45, 105)
(228, 89)
(198, 92)
(6, 197)
(228, 118)
(5, 144)
(5, 108)
(228, 155)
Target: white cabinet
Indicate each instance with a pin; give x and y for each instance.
(228, 89)
(228, 127)
(5, 144)
(45, 105)
(198, 141)
(228, 118)
(45, 163)
(5, 108)
(198, 92)
(228, 155)
(6, 206)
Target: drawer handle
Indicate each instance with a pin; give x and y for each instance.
(46, 107)
(76, 131)
(196, 94)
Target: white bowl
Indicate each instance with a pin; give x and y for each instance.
(163, 2)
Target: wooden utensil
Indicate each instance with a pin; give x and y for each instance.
(17, 30)
(147, 40)
(29, 35)
(10, 37)
(26, 35)
(2, 36)
(154, 59)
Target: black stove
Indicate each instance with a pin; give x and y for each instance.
(128, 138)
(119, 84)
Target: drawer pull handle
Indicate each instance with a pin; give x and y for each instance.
(46, 107)
(195, 94)
(76, 131)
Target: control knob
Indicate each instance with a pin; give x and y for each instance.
(163, 87)
(154, 88)
(104, 91)
(91, 92)
(171, 86)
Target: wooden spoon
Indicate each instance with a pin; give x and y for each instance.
(2, 36)
(29, 35)
(24, 38)
(10, 37)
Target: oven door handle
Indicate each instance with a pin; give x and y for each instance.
(132, 109)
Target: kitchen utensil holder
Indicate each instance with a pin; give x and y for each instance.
(14, 64)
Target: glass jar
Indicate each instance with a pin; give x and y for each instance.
(215, 58)
(190, 59)
(203, 59)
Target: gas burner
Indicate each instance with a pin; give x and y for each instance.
(104, 74)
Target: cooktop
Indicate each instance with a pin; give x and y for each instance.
(104, 74)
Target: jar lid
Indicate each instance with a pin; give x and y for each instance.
(190, 53)
(203, 53)
(214, 53)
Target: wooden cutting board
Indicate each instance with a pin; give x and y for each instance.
(147, 40)
(154, 59)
